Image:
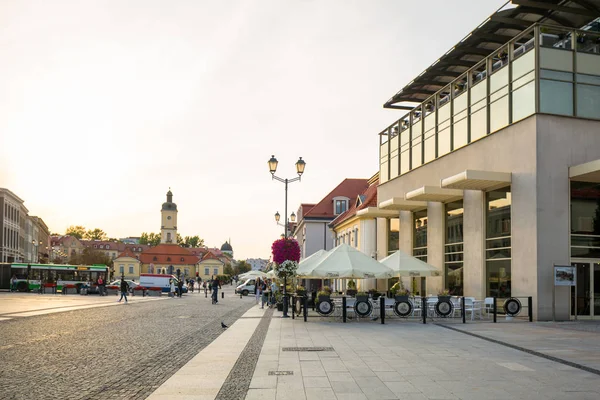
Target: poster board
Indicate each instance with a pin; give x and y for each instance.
(565, 275)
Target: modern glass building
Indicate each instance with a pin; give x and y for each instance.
(494, 166)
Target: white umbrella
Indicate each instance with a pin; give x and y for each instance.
(345, 261)
(306, 265)
(271, 274)
(253, 274)
(404, 265)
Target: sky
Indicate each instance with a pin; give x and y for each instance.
(105, 105)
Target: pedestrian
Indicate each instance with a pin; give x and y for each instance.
(124, 289)
(273, 290)
(13, 283)
(257, 289)
(100, 284)
(172, 288)
(265, 294)
(216, 285)
(179, 287)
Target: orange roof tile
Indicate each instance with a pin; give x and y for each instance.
(369, 199)
(347, 188)
(168, 254)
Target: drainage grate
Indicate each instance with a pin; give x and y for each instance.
(307, 349)
(281, 372)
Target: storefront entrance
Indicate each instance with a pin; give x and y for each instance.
(585, 297)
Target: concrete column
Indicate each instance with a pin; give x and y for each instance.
(474, 243)
(435, 244)
(382, 249)
(368, 238)
(406, 239)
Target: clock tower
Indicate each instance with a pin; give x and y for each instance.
(168, 228)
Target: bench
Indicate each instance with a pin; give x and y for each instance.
(138, 289)
(154, 291)
(48, 286)
(71, 287)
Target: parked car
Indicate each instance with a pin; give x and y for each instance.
(246, 287)
(161, 281)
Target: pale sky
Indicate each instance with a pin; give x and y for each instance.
(104, 105)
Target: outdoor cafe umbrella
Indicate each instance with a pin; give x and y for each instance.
(345, 261)
(253, 274)
(306, 265)
(404, 265)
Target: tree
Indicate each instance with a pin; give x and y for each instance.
(152, 239)
(76, 231)
(193, 241)
(95, 234)
(180, 240)
(242, 267)
(227, 270)
(90, 256)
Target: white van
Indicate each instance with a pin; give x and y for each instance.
(246, 287)
(161, 281)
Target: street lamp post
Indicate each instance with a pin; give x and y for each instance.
(300, 165)
(292, 219)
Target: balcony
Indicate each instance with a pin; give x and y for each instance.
(545, 69)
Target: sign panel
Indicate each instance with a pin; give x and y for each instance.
(564, 275)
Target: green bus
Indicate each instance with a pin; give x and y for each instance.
(58, 274)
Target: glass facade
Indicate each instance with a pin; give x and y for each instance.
(454, 248)
(420, 235)
(544, 69)
(585, 219)
(498, 243)
(393, 235)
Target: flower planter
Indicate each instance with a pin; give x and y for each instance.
(154, 291)
(401, 298)
(279, 306)
(362, 298)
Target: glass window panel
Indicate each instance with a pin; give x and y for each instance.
(460, 134)
(479, 124)
(498, 80)
(416, 156)
(404, 137)
(588, 101)
(556, 59)
(498, 280)
(444, 113)
(460, 104)
(383, 150)
(478, 92)
(443, 142)
(591, 79)
(497, 254)
(498, 213)
(430, 149)
(499, 94)
(556, 97)
(405, 162)
(499, 114)
(430, 122)
(416, 131)
(588, 63)
(557, 75)
(523, 101)
(523, 80)
(523, 65)
(420, 229)
(454, 278)
(394, 167)
(383, 172)
(393, 235)
(394, 144)
(454, 223)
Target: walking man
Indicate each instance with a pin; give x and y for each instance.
(124, 289)
(216, 285)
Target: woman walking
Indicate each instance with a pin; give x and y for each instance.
(124, 289)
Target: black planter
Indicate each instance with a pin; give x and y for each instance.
(279, 306)
(444, 298)
(351, 292)
(401, 298)
(362, 298)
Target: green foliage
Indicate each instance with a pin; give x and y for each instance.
(363, 294)
(90, 256)
(227, 269)
(223, 278)
(95, 234)
(151, 239)
(192, 241)
(398, 288)
(76, 231)
(241, 267)
(444, 292)
(300, 290)
(326, 289)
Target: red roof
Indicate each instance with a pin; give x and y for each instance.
(348, 188)
(209, 256)
(127, 253)
(368, 198)
(168, 254)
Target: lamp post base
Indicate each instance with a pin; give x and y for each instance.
(285, 299)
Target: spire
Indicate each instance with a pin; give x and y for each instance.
(169, 196)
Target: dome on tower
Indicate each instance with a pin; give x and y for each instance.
(169, 205)
(226, 247)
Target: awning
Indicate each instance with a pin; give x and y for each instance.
(376, 213)
(434, 193)
(588, 172)
(399, 204)
(477, 180)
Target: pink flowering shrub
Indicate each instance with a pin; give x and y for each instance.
(284, 250)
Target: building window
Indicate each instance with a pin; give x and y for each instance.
(130, 269)
(420, 235)
(168, 259)
(585, 219)
(155, 259)
(169, 237)
(498, 243)
(454, 248)
(182, 259)
(216, 271)
(393, 235)
(341, 206)
(121, 269)
(206, 271)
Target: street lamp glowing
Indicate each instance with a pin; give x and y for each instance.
(277, 216)
(300, 164)
(273, 165)
(293, 217)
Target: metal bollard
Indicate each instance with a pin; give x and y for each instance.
(305, 307)
(344, 309)
(462, 310)
(222, 295)
(530, 308)
(382, 309)
(424, 309)
(293, 307)
(494, 309)
(205, 294)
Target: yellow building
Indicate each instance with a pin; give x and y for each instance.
(210, 266)
(127, 265)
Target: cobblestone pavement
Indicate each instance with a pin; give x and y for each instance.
(237, 383)
(121, 352)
